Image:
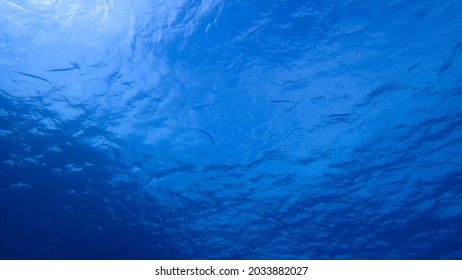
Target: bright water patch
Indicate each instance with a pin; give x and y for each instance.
(218, 129)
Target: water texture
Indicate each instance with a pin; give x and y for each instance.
(230, 129)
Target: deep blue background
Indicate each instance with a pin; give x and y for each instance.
(230, 129)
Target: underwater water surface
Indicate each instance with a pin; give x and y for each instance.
(208, 129)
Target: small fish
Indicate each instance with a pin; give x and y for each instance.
(33, 76)
(201, 106)
(340, 115)
(332, 176)
(74, 67)
(206, 133)
(281, 101)
(62, 69)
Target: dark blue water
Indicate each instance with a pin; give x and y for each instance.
(230, 129)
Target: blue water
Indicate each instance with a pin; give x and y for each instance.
(230, 129)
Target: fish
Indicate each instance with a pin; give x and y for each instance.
(332, 176)
(62, 69)
(34, 76)
(340, 115)
(207, 134)
(281, 101)
(75, 66)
